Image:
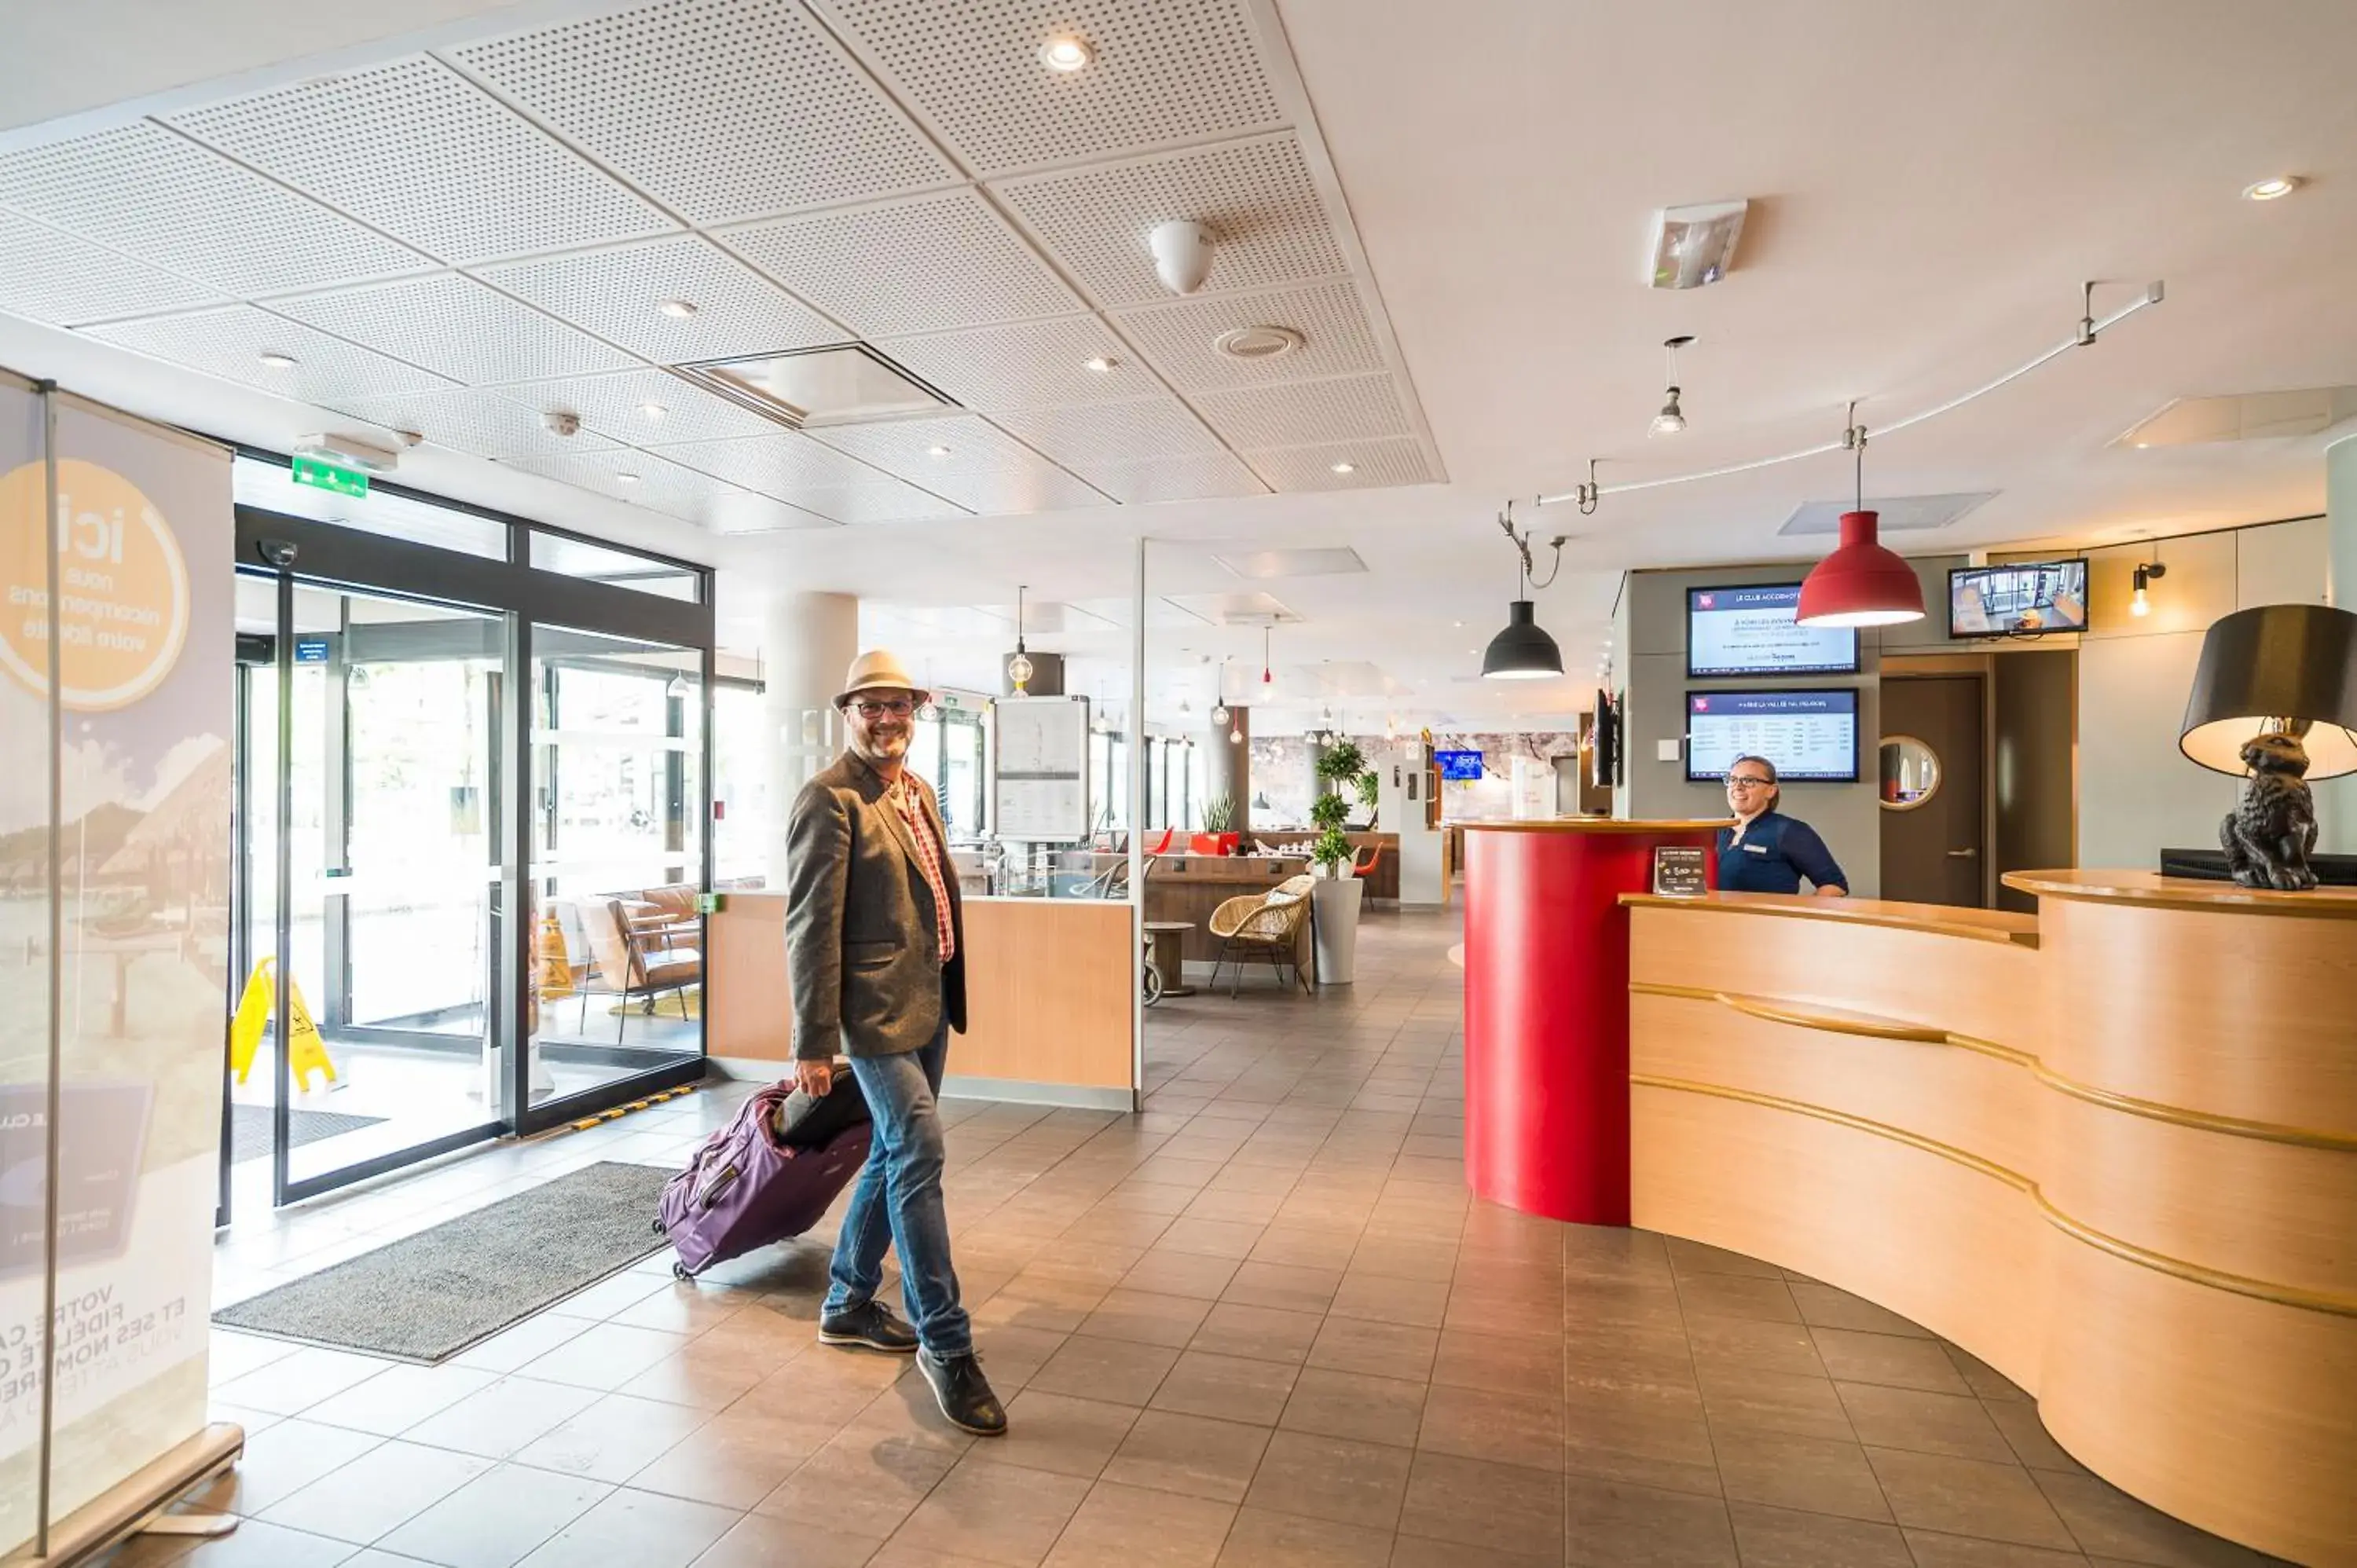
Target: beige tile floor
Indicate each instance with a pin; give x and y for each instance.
(1259, 1326)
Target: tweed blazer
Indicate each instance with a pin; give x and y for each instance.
(863, 947)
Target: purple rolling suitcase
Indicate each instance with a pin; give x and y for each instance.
(750, 1185)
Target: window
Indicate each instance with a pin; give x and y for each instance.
(945, 751)
(744, 815)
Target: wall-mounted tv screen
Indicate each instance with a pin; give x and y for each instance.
(1460, 765)
(2017, 601)
(1810, 736)
(1750, 630)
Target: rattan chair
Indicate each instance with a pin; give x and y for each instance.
(1267, 924)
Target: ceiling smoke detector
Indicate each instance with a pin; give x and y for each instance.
(1255, 343)
(1182, 254)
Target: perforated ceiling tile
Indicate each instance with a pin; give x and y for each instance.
(1001, 492)
(760, 514)
(885, 501)
(456, 326)
(421, 152)
(54, 278)
(1179, 338)
(1038, 364)
(623, 406)
(154, 196)
(917, 266)
(230, 343)
(1373, 465)
(641, 478)
(920, 450)
(718, 109)
(1110, 435)
(1201, 477)
(1299, 413)
(783, 464)
(473, 420)
(1256, 197)
(620, 294)
(1160, 72)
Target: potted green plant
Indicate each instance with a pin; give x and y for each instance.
(1218, 823)
(1338, 892)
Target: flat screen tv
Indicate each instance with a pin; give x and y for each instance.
(2025, 600)
(1748, 629)
(1460, 765)
(1810, 736)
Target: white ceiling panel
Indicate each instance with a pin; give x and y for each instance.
(1256, 197)
(1041, 486)
(230, 343)
(1335, 338)
(1234, 609)
(718, 109)
(927, 266)
(1373, 464)
(154, 196)
(920, 450)
(1204, 476)
(1300, 413)
(748, 513)
(472, 420)
(54, 278)
(640, 479)
(882, 500)
(1106, 434)
(414, 149)
(1315, 561)
(456, 327)
(783, 464)
(619, 405)
(1036, 364)
(617, 294)
(1163, 72)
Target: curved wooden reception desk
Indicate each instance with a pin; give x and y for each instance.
(2111, 1150)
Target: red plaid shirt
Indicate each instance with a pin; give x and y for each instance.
(904, 793)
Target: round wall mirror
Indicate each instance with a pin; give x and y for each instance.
(1910, 773)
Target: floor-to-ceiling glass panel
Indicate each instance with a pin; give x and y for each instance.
(617, 858)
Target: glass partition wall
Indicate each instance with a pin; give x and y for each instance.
(434, 735)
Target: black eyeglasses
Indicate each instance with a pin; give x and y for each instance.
(870, 708)
(1749, 781)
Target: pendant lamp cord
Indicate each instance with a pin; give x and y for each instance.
(1854, 437)
(1522, 542)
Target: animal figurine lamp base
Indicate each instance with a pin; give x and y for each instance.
(2270, 835)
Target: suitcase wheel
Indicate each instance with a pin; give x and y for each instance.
(656, 1226)
(679, 1271)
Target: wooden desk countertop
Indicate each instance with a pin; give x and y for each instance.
(1979, 925)
(2185, 893)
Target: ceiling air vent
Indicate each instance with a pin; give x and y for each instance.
(1255, 343)
(2247, 416)
(1899, 514)
(811, 388)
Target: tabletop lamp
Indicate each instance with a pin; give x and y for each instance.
(2274, 700)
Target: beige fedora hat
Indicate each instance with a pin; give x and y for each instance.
(878, 670)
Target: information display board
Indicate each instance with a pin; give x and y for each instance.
(1459, 765)
(1040, 769)
(1810, 736)
(1751, 630)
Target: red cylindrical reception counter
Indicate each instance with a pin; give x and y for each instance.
(1547, 1008)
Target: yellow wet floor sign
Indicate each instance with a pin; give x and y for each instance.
(304, 1050)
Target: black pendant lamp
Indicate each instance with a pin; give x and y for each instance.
(1523, 651)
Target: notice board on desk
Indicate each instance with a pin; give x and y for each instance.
(1040, 765)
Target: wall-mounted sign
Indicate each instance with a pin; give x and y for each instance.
(310, 651)
(320, 474)
(123, 588)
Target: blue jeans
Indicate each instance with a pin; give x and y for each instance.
(899, 1201)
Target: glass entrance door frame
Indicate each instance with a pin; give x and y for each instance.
(289, 550)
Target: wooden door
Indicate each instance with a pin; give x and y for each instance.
(1930, 785)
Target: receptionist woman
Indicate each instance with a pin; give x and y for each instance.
(1766, 851)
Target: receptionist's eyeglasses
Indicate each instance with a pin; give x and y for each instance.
(900, 707)
(1748, 781)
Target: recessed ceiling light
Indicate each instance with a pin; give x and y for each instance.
(2268, 189)
(682, 308)
(1099, 363)
(626, 478)
(653, 410)
(277, 361)
(1065, 53)
(1346, 467)
(937, 451)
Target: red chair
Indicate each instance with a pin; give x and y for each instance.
(1164, 847)
(1365, 863)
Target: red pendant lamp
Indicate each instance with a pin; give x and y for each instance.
(1861, 583)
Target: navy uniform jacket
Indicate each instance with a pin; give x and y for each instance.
(1776, 852)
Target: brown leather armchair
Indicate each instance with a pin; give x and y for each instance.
(642, 949)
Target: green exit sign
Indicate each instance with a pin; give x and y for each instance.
(326, 476)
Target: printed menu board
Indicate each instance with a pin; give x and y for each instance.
(1041, 772)
(1809, 735)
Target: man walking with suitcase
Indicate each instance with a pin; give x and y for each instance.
(875, 943)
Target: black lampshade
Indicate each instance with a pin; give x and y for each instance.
(2274, 663)
(1523, 651)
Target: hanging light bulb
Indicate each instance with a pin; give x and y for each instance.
(1861, 583)
(1267, 671)
(2141, 605)
(1236, 735)
(1019, 668)
(1219, 714)
(1672, 420)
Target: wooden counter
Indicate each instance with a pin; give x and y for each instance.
(1383, 882)
(2111, 1150)
(1051, 991)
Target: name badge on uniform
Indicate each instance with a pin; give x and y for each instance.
(1755, 849)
